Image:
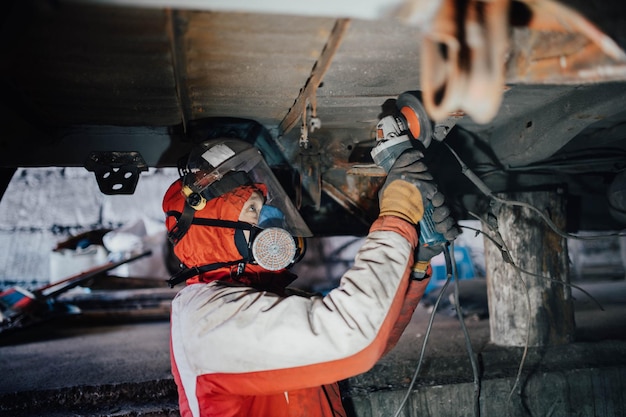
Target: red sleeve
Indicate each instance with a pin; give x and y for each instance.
(414, 294)
(415, 290)
(396, 224)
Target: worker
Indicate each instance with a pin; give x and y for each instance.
(243, 344)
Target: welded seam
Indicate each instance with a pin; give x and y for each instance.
(318, 71)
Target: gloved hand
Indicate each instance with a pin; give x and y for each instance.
(444, 224)
(407, 187)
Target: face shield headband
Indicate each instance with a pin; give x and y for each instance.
(269, 245)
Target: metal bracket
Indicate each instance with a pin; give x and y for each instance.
(311, 177)
(442, 128)
(117, 172)
(310, 122)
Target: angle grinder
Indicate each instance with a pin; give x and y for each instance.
(402, 131)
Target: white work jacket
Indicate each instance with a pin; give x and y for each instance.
(238, 351)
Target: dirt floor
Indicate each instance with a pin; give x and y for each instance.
(104, 361)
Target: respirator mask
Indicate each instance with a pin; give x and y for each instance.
(270, 245)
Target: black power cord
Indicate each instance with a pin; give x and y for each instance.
(450, 273)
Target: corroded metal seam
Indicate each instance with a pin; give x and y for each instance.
(307, 93)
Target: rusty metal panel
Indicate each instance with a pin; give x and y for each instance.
(236, 63)
(374, 62)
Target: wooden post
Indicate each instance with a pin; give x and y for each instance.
(535, 248)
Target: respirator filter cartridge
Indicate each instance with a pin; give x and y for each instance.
(274, 249)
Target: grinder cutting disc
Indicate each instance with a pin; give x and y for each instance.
(417, 120)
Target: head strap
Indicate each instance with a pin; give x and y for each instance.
(187, 273)
(183, 223)
(185, 219)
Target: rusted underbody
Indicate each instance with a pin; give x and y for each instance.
(514, 83)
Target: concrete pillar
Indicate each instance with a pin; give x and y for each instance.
(535, 248)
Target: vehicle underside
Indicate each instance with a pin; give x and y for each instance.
(519, 96)
(528, 95)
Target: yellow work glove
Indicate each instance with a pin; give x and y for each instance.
(402, 199)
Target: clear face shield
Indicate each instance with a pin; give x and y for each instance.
(219, 166)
